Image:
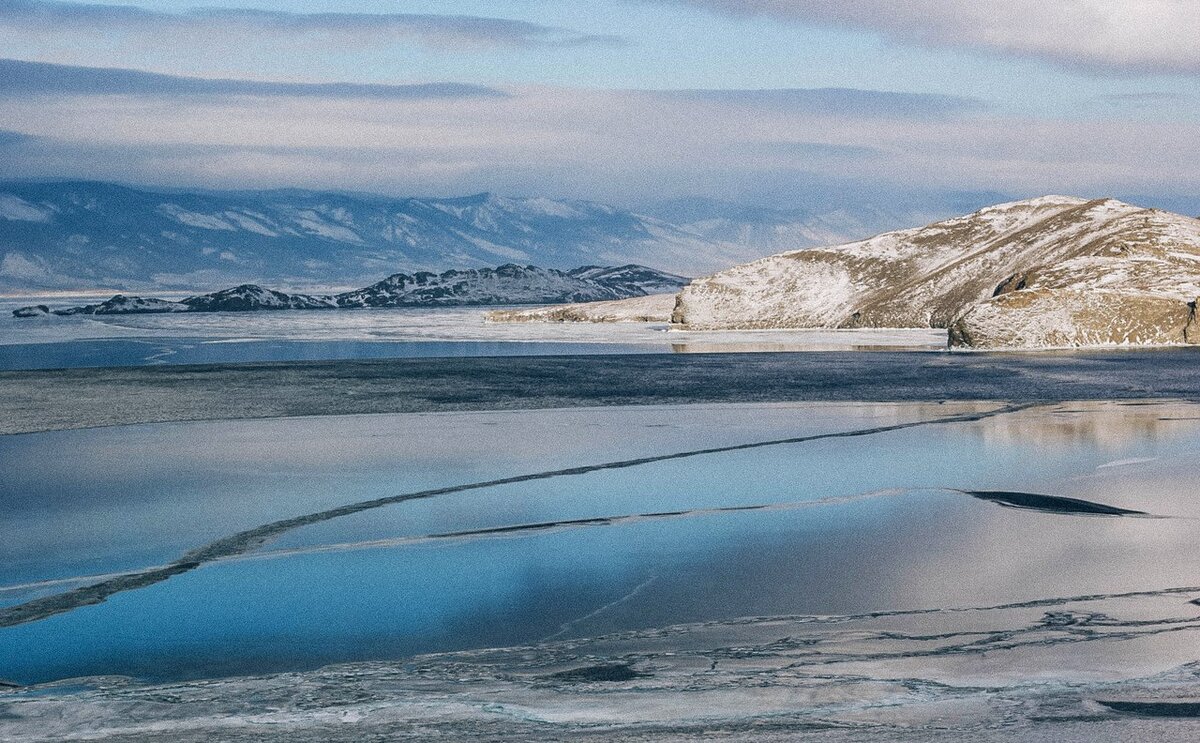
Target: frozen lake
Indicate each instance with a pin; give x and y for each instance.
(603, 521)
(233, 337)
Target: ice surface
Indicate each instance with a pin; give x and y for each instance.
(856, 548)
(415, 326)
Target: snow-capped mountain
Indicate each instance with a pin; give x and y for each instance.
(96, 235)
(85, 235)
(1051, 271)
(508, 284)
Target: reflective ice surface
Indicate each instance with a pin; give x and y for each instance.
(880, 520)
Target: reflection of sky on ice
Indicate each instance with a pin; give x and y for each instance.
(180, 485)
(300, 608)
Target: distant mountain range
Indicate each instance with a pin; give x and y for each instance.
(85, 235)
(508, 284)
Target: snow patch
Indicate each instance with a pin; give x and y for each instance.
(17, 266)
(19, 210)
(195, 219)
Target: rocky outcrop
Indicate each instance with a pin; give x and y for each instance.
(1043, 318)
(37, 310)
(122, 305)
(652, 308)
(1052, 271)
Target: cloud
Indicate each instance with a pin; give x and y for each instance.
(1148, 97)
(623, 146)
(55, 18)
(1127, 36)
(822, 150)
(834, 101)
(20, 78)
(9, 138)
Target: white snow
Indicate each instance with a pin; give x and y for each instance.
(19, 210)
(312, 222)
(18, 266)
(195, 219)
(251, 222)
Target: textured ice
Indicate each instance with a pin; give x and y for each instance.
(1012, 624)
(1038, 670)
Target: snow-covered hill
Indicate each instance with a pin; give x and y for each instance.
(1051, 271)
(651, 308)
(508, 284)
(512, 284)
(85, 235)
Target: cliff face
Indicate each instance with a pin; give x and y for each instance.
(1052, 271)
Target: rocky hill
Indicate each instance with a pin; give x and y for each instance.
(1051, 271)
(651, 308)
(508, 284)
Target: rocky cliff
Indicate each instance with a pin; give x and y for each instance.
(1048, 272)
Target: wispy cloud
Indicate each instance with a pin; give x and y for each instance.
(834, 101)
(821, 150)
(10, 138)
(1125, 36)
(20, 78)
(43, 16)
(1146, 97)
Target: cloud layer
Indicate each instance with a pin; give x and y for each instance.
(833, 101)
(623, 146)
(20, 78)
(57, 18)
(1104, 35)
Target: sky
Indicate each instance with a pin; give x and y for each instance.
(769, 102)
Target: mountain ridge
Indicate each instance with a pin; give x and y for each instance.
(506, 284)
(86, 235)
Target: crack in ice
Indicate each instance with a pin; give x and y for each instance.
(251, 539)
(566, 627)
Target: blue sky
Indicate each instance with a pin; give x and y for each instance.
(589, 99)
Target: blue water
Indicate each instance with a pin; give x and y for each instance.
(316, 595)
